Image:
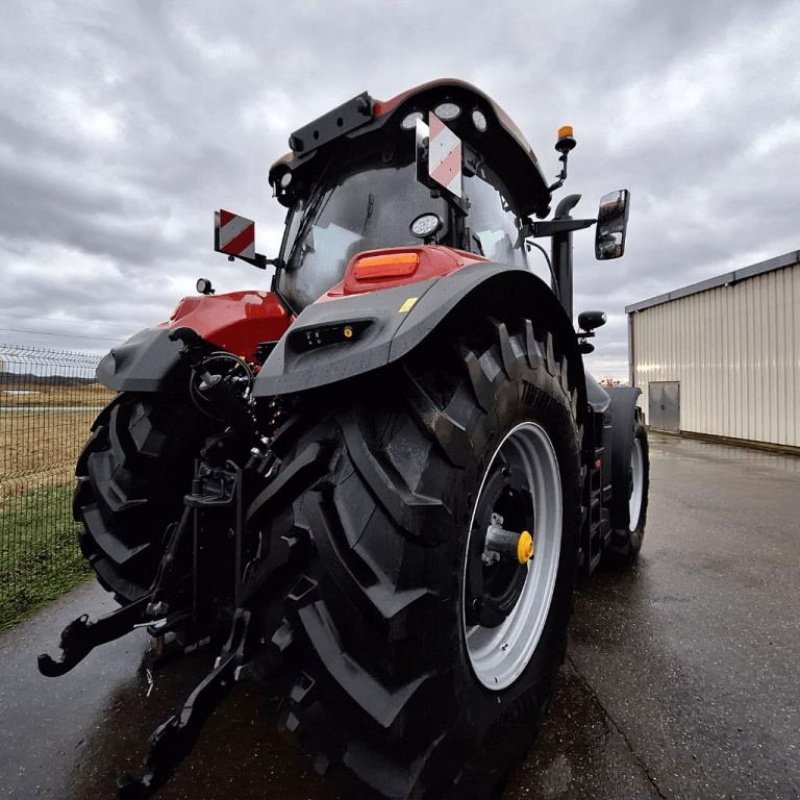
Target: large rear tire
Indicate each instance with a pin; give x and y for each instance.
(132, 476)
(384, 688)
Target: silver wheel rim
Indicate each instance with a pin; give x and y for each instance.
(498, 656)
(637, 484)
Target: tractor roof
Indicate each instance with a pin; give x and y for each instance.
(501, 144)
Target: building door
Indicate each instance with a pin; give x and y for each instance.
(664, 409)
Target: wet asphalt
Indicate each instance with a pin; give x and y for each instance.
(682, 678)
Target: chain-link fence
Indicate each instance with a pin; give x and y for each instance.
(48, 400)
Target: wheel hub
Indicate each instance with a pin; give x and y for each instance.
(510, 575)
(509, 545)
(501, 547)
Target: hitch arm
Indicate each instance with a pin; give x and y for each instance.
(173, 740)
(80, 637)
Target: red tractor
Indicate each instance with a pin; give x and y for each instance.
(379, 481)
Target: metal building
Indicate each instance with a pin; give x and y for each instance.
(722, 357)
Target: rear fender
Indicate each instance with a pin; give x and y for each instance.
(387, 325)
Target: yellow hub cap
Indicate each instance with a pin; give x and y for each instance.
(524, 547)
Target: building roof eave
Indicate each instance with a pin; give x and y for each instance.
(789, 259)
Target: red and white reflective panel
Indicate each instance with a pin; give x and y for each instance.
(444, 159)
(236, 236)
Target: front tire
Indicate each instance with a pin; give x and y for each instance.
(631, 481)
(384, 687)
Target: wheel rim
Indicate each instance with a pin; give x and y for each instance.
(498, 655)
(637, 484)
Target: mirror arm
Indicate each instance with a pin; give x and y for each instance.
(260, 261)
(550, 227)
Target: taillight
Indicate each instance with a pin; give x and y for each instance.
(385, 265)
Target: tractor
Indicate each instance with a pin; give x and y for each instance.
(377, 483)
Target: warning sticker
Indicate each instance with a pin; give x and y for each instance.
(408, 304)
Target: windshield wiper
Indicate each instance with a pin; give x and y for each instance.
(313, 210)
(370, 210)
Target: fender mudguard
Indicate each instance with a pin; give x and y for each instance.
(389, 324)
(237, 322)
(596, 395)
(147, 362)
(623, 413)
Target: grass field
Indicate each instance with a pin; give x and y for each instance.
(39, 448)
(45, 394)
(39, 444)
(39, 555)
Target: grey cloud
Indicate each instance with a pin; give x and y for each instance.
(122, 126)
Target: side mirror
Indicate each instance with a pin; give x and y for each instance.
(589, 320)
(612, 223)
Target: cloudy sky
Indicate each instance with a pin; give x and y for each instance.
(124, 125)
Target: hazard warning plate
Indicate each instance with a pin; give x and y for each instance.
(234, 235)
(444, 159)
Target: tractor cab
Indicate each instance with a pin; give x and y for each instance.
(417, 171)
(374, 201)
(370, 175)
(440, 164)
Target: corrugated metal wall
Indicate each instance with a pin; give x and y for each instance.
(735, 350)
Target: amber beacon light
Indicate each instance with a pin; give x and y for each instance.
(566, 139)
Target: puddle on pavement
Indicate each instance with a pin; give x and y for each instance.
(240, 751)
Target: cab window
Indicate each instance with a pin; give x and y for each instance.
(492, 223)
